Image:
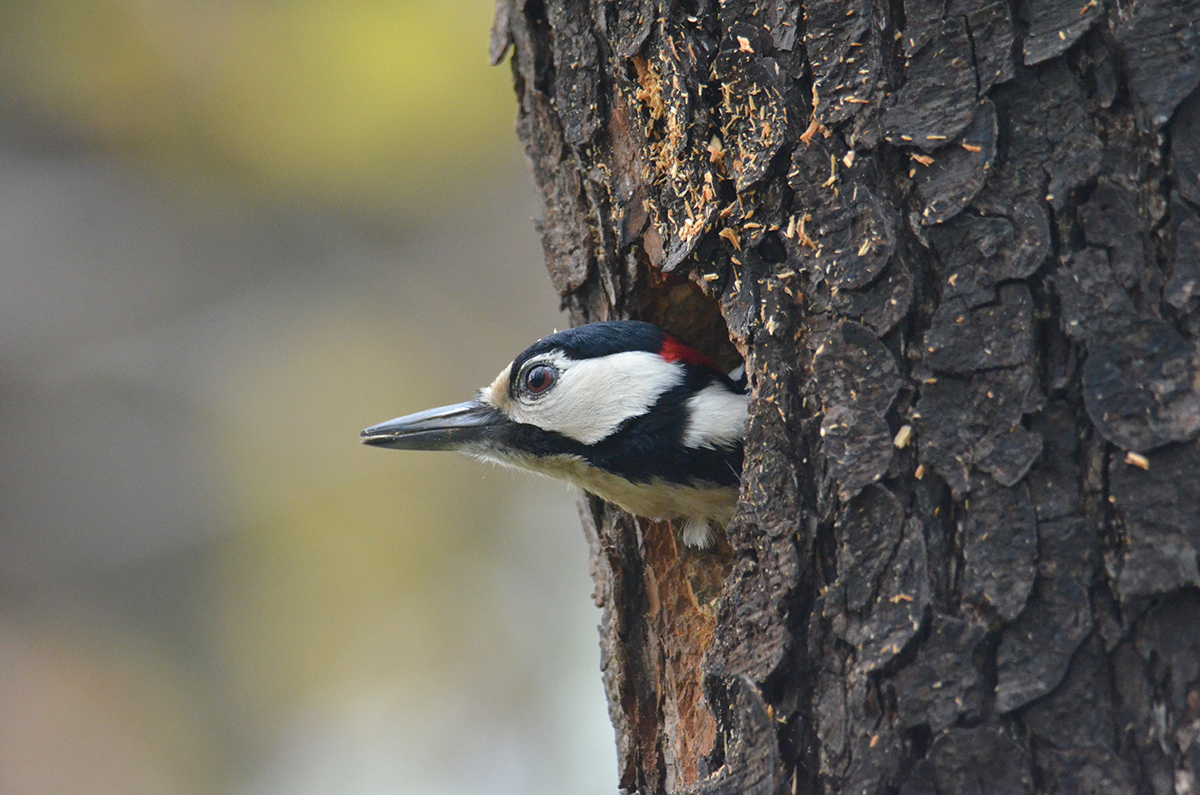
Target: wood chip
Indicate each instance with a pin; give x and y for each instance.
(1137, 459)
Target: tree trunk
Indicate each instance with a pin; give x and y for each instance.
(957, 244)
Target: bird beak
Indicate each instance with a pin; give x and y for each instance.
(445, 428)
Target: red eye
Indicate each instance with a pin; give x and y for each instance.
(540, 378)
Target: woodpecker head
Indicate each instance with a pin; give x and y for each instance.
(621, 409)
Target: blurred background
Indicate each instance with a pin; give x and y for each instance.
(232, 234)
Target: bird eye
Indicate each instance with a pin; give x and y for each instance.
(540, 378)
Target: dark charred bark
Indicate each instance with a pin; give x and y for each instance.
(957, 243)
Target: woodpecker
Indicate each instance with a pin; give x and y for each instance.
(621, 409)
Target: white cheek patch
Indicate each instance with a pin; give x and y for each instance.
(594, 396)
(716, 418)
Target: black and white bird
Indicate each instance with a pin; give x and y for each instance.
(621, 409)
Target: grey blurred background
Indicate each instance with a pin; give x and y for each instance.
(232, 234)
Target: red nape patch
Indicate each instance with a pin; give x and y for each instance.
(675, 351)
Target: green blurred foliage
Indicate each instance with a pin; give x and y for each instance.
(368, 103)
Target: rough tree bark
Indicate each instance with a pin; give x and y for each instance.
(957, 243)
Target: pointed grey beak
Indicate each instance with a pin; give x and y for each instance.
(444, 428)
